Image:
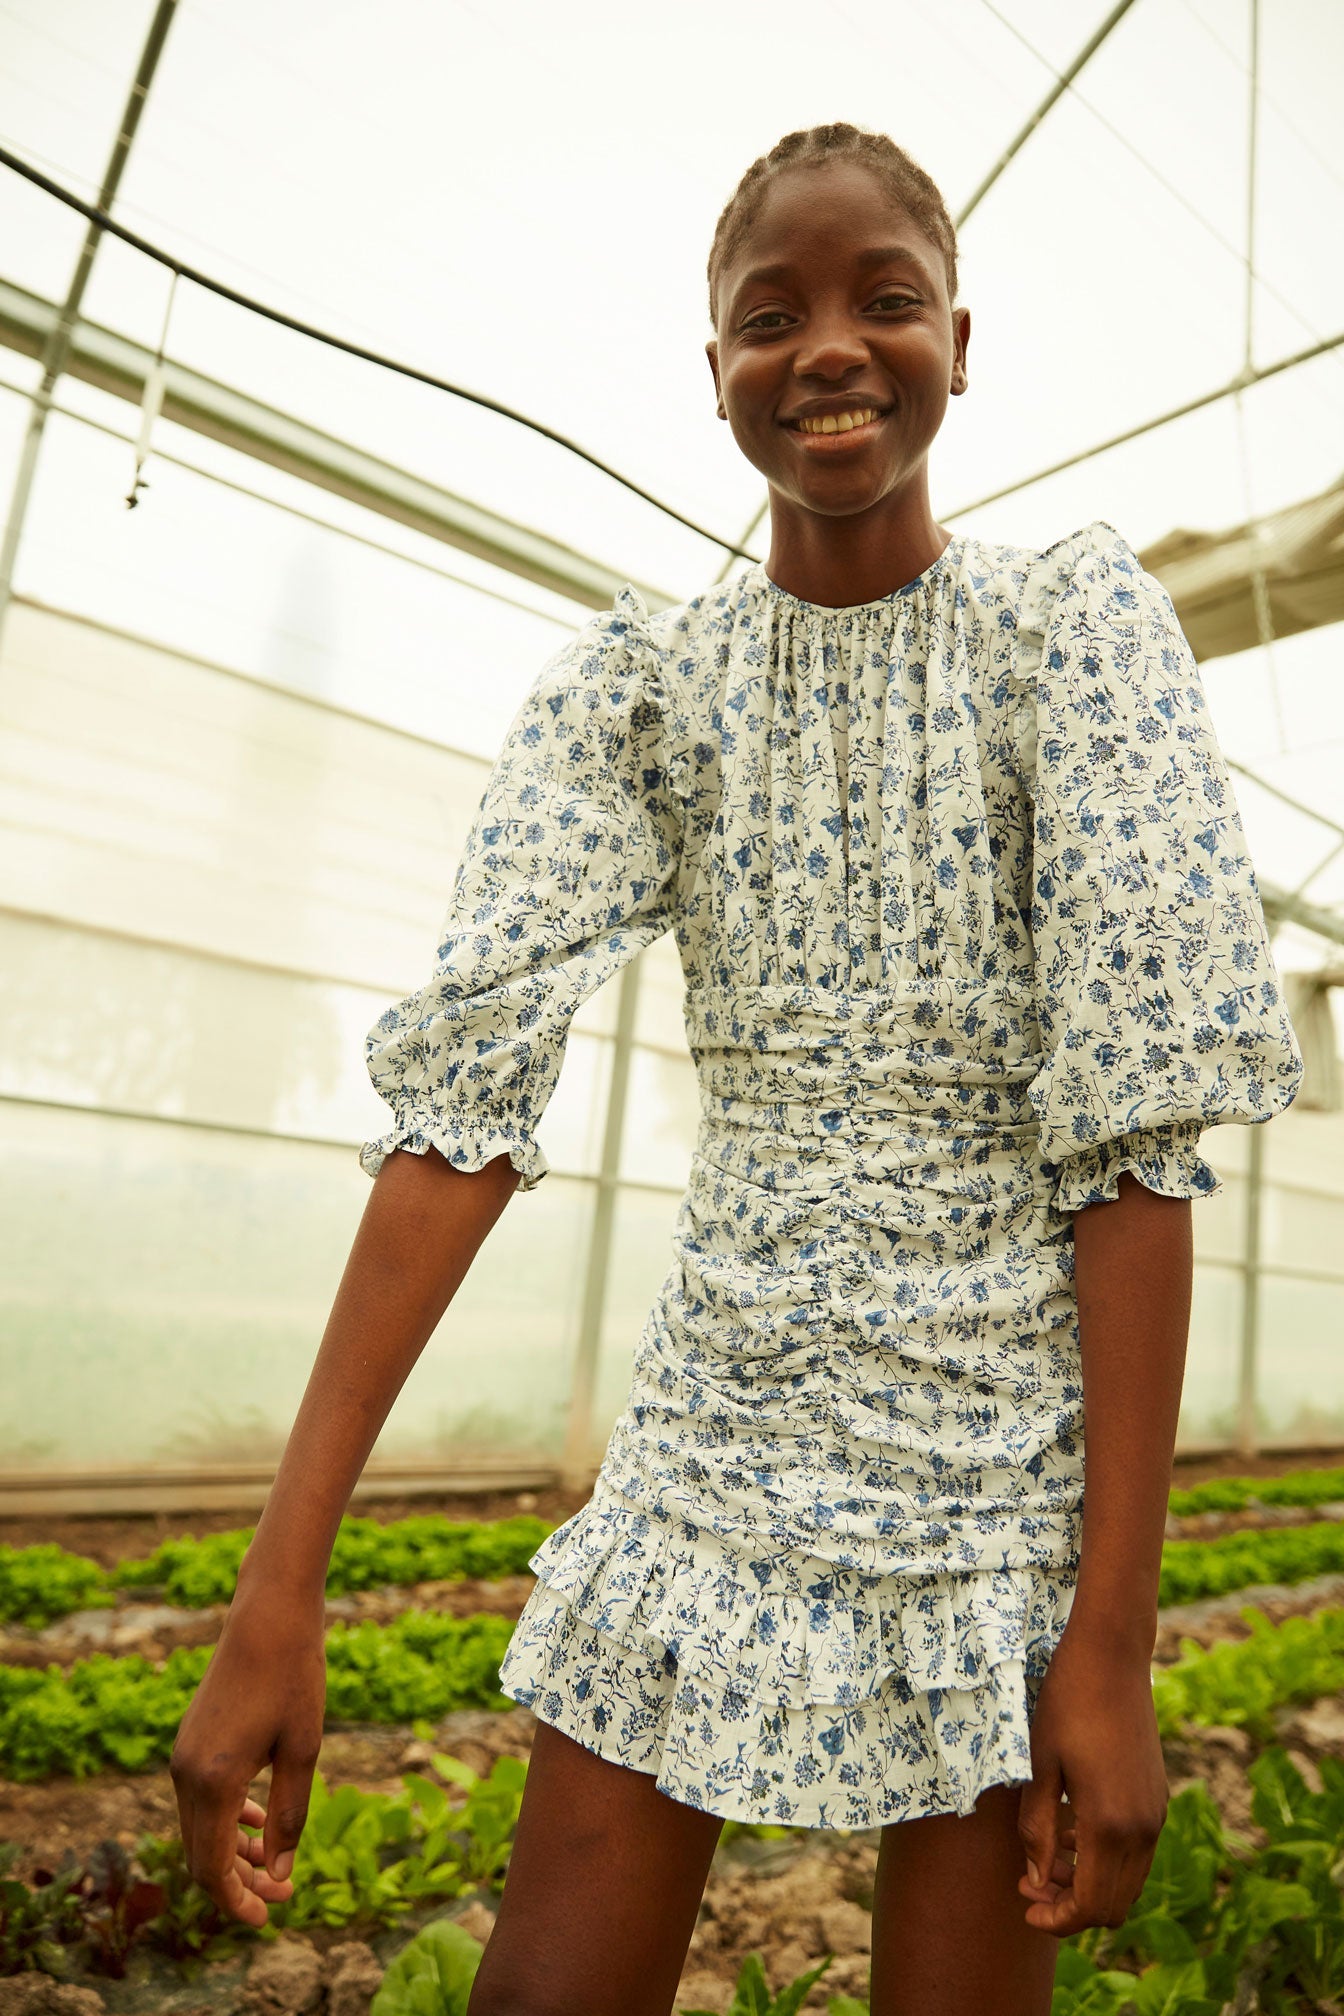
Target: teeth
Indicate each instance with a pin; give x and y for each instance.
(838, 423)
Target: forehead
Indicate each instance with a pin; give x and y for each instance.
(815, 217)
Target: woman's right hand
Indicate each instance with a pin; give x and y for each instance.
(260, 1701)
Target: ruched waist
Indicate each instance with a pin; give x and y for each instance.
(937, 1066)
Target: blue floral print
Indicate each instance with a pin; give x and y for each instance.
(968, 926)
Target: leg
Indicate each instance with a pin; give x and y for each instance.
(602, 1892)
(950, 1936)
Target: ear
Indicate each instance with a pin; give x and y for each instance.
(712, 352)
(961, 341)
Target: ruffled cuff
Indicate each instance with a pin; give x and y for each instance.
(1165, 1158)
(467, 1141)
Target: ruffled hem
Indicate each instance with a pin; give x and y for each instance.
(466, 1144)
(782, 1627)
(1164, 1158)
(895, 1755)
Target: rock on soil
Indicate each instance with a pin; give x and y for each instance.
(39, 1995)
(284, 1979)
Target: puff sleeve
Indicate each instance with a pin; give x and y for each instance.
(569, 869)
(1160, 1009)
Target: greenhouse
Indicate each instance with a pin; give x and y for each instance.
(353, 364)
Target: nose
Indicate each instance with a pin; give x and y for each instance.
(830, 347)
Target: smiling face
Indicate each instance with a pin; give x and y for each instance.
(835, 310)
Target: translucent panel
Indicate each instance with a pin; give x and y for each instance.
(159, 796)
(1304, 1228)
(67, 74)
(660, 1015)
(1219, 1222)
(202, 569)
(166, 1289)
(1209, 1394)
(88, 1018)
(41, 237)
(1298, 1387)
(662, 1114)
(1282, 725)
(641, 1254)
(1306, 1148)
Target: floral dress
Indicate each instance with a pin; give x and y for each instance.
(968, 926)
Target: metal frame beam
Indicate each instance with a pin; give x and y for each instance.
(119, 365)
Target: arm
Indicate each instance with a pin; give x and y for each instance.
(570, 868)
(1095, 1739)
(1133, 1268)
(262, 1696)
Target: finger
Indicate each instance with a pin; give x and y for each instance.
(1096, 1890)
(1038, 1820)
(260, 1884)
(215, 1864)
(287, 1808)
(253, 1813)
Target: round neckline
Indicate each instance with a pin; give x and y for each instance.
(857, 608)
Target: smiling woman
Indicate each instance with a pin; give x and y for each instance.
(972, 949)
(836, 349)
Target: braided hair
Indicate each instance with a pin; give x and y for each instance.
(813, 146)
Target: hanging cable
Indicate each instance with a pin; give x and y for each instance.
(179, 267)
(152, 405)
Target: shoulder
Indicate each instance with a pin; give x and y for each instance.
(1089, 586)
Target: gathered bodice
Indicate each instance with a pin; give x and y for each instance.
(865, 826)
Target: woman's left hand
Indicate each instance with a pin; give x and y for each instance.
(1094, 1741)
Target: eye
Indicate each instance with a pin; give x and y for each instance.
(759, 321)
(901, 300)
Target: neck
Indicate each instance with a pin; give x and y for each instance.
(861, 557)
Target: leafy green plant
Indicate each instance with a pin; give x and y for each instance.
(39, 1584)
(124, 1712)
(751, 1994)
(366, 1555)
(117, 1899)
(1242, 1682)
(432, 1975)
(373, 1857)
(1235, 1494)
(1192, 1569)
(38, 1921)
(190, 1926)
(1219, 1925)
(487, 1818)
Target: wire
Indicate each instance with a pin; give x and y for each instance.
(178, 266)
